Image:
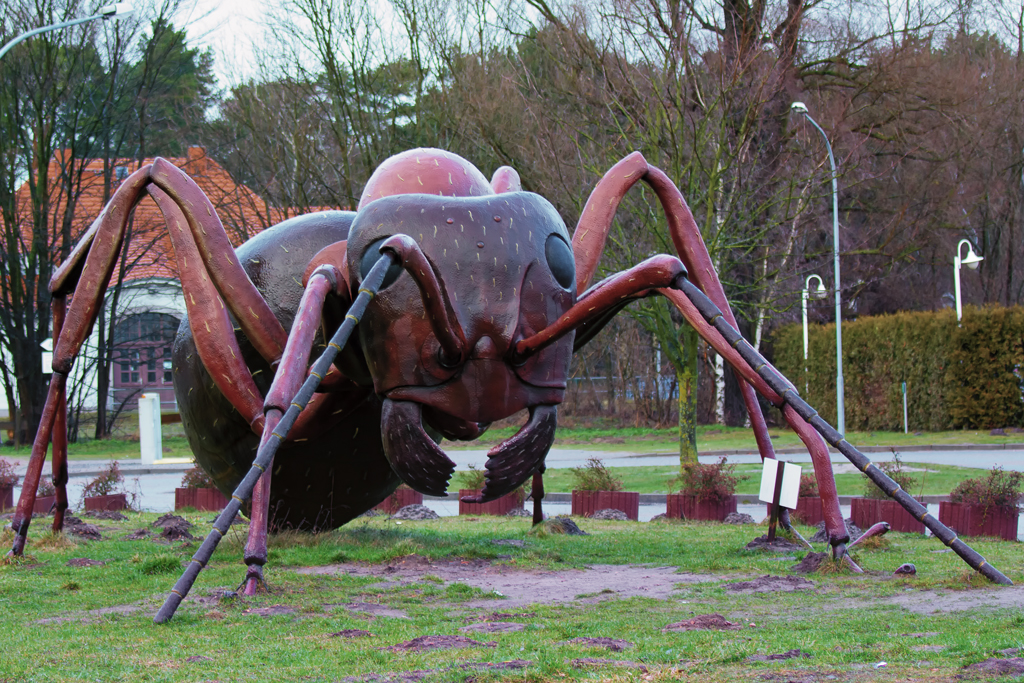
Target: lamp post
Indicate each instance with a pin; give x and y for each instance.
(818, 293)
(801, 108)
(116, 11)
(971, 261)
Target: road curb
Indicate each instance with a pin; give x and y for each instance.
(660, 499)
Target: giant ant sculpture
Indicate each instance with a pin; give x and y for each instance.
(474, 297)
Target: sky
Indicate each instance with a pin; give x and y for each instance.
(231, 28)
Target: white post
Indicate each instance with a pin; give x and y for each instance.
(956, 286)
(972, 261)
(803, 302)
(904, 407)
(150, 434)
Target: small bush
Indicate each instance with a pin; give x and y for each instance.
(714, 482)
(197, 478)
(8, 478)
(108, 481)
(808, 486)
(45, 488)
(998, 489)
(896, 472)
(594, 476)
(472, 478)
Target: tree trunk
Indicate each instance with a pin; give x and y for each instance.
(719, 390)
(687, 376)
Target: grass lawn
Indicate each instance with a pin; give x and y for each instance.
(67, 621)
(936, 480)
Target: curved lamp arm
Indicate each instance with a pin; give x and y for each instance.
(117, 11)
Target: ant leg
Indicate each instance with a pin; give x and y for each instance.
(289, 377)
(838, 535)
(208, 318)
(86, 271)
(663, 271)
(537, 493)
(59, 456)
(592, 232)
(244, 301)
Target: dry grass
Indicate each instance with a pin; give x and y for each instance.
(52, 541)
(973, 579)
(875, 543)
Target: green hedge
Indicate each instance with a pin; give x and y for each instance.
(967, 377)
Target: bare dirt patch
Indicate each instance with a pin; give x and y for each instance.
(525, 587)
(91, 616)
(788, 654)
(351, 633)
(778, 545)
(416, 513)
(611, 514)
(85, 562)
(87, 531)
(703, 622)
(494, 627)
(770, 584)
(998, 667)
(418, 675)
(587, 662)
(931, 601)
(502, 616)
(810, 564)
(106, 514)
(372, 610)
(173, 527)
(613, 644)
(423, 643)
(272, 611)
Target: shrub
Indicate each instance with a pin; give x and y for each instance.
(472, 478)
(714, 482)
(8, 477)
(808, 486)
(45, 488)
(197, 478)
(594, 476)
(998, 489)
(896, 472)
(107, 482)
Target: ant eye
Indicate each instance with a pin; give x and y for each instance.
(370, 257)
(560, 261)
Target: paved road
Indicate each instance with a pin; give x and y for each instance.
(155, 484)
(978, 456)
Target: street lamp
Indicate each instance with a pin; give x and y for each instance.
(801, 108)
(818, 293)
(971, 261)
(116, 11)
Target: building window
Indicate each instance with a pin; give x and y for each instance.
(143, 350)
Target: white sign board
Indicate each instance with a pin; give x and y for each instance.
(790, 483)
(150, 434)
(47, 346)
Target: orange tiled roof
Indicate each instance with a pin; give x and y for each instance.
(242, 211)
